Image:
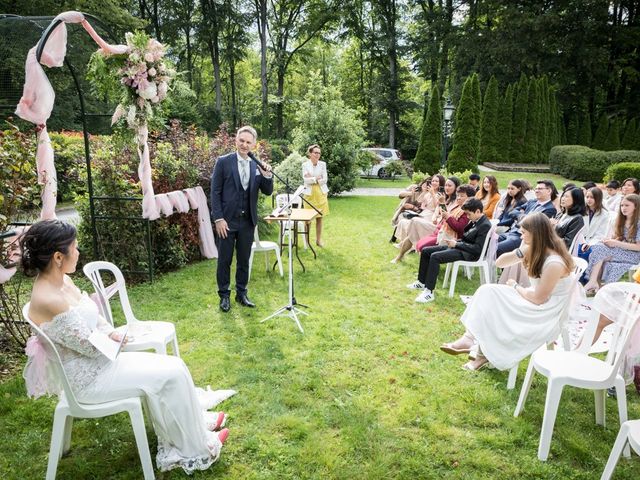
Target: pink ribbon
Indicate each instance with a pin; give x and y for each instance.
(35, 372)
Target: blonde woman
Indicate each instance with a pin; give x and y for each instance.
(314, 172)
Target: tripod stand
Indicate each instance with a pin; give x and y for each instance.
(290, 310)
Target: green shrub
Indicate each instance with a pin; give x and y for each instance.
(365, 160)
(582, 163)
(395, 167)
(68, 148)
(290, 170)
(620, 171)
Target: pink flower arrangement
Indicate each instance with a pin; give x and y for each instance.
(146, 78)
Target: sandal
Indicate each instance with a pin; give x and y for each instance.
(451, 350)
(476, 368)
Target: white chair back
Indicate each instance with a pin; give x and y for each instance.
(283, 198)
(487, 240)
(623, 325)
(577, 240)
(93, 271)
(54, 357)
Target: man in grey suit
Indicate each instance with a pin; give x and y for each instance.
(235, 182)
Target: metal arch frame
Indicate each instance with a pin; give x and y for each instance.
(87, 149)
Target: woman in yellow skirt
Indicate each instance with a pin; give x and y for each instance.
(314, 172)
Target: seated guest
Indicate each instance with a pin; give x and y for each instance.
(546, 193)
(614, 196)
(507, 323)
(569, 221)
(428, 207)
(629, 186)
(474, 181)
(513, 199)
(468, 247)
(596, 220)
(68, 317)
(419, 227)
(411, 199)
(489, 195)
(611, 259)
(453, 222)
(588, 185)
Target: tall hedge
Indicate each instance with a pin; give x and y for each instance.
(584, 131)
(489, 144)
(533, 124)
(430, 146)
(477, 102)
(600, 138)
(628, 139)
(612, 142)
(504, 125)
(572, 129)
(465, 138)
(545, 121)
(520, 120)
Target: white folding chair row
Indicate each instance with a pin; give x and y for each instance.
(69, 407)
(482, 263)
(580, 265)
(266, 247)
(145, 335)
(576, 368)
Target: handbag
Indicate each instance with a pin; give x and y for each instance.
(410, 215)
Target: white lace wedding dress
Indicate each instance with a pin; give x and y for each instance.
(165, 381)
(509, 328)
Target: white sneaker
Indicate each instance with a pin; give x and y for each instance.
(417, 285)
(425, 297)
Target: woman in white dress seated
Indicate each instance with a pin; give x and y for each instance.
(68, 317)
(507, 323)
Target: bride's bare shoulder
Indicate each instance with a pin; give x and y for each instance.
(46, 304)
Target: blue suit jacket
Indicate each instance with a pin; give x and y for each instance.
(549, 210)
(226, 188)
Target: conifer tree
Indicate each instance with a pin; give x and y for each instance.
(477, 101)
(533, 124)
(520, 120)
(584, 130)
(612, 142)
(629, 134)
(555, 137)
(572, 129)
(504, 126)
(465, 139)
(430, 145)
(600, 138)
(488, 145)
(636, 143)
(544, 141)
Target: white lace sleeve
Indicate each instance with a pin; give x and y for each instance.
(69, 330)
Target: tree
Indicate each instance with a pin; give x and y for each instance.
(612, 142)
(600, 138)
(504, 126)
(430, 146)
(323, 118)
(544, 141)
(465, 144)
(629, 135)
(572, 129)
(533, 124)
(520, 120)
(584, 131)
(477, 104)
(489, 142)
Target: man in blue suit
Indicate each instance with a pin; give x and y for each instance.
(235, 182)
(546, 193)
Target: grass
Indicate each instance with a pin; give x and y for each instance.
(363, 394)
(399, 181)
(505, 177)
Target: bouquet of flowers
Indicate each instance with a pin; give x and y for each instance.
(138, 80)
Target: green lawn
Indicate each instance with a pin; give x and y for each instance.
(363, 394)
(395, 182)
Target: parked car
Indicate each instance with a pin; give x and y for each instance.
(385, 156)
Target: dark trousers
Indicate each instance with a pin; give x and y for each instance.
(508, 242)
(430, 260)
(240, 237)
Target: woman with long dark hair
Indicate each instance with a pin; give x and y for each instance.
(514, 198)
(596, 221)
(489, 195)
(506, 323)
(570, 219)
(69, 317)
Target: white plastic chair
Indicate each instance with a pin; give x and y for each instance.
(69, 408)
(629, 433)
(303, 227)
(579, 268)
(577, 240)
(266, 247)
(482, 263)
(575, 368)
(146, 335)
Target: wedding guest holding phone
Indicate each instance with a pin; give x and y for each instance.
(314, 173)
(186, 437)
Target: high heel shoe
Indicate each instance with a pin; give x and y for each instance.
(223, 435)
(451, 350)
(476, 368)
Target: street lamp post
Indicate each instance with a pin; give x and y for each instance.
(448, 111)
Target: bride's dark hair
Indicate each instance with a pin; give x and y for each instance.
(41, 241)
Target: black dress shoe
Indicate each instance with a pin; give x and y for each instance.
(243, 300)
(225, 304)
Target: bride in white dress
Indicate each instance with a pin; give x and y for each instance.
(67, 316)
(509, 322)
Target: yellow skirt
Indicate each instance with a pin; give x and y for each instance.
(318, 199)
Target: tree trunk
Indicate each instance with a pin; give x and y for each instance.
(261, 12)
(232, 80)
(280, 105)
